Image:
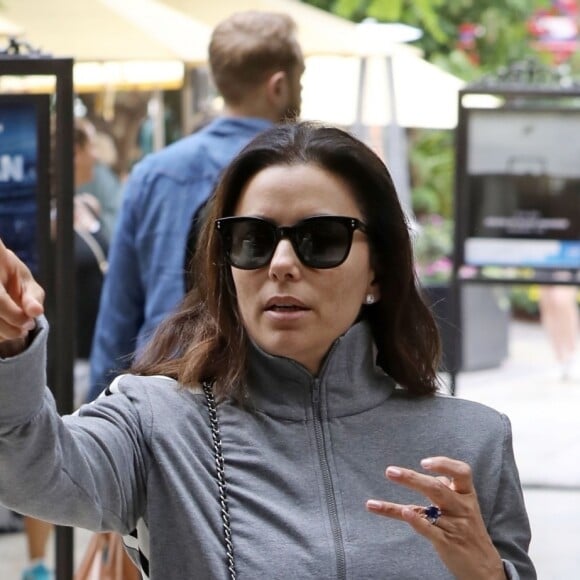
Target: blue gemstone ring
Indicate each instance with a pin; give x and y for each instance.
(432, 513)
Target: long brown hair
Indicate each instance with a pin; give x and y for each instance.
(206, 340)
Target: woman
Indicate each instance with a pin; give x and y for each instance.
(307, 321)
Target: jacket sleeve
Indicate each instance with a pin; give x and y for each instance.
(87, 471)
(121, 310)
(509, 526)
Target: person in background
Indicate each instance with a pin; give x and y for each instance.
(260, 419)
(37, 535)
(560, 317)
(94, 207)
(257, 64)
(95, 177)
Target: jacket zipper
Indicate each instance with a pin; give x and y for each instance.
(327, 481)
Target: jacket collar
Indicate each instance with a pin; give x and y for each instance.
(225, 126)
(349, 383)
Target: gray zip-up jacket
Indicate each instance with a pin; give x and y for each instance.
(301, 459)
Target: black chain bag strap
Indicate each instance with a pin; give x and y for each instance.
(221, 476)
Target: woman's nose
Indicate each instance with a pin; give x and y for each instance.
(284, 262)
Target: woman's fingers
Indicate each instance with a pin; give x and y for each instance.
(13, 318)
(32, 298)
(387, 508)
(412, 515)
(417, 520)
(455, 477)
(438, 492)
(453, 494)
(453, 524)
(457, 471)
(21, 298)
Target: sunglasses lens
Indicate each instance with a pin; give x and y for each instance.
(319, 242)
(322, 243)
(251, 244)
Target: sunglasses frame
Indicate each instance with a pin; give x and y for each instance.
(289, 233)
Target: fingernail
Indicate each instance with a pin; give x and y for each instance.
(394, 472)
(30, 325)
(373, 504)
(426, 463)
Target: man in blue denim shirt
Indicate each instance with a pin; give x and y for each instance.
(257, 65)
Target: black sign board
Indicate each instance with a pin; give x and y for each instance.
(520, 195)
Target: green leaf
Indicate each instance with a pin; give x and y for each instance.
(386, 10)
(349, 8)
(426, 9)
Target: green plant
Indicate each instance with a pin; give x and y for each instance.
(524, 300)
(432, 163)
(433, 247)
(501, 33)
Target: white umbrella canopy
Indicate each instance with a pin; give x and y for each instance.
(128, 44)
(8, 29)
(109, 30)
(424, 95)
(93, 77)
(153, 30)
(319, 32)
(144, 44)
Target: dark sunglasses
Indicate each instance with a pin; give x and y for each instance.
(319, 241)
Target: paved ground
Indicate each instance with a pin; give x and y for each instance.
(544, 412)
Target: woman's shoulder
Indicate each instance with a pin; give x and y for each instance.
(452, 426)
(157, 391)
(453, 409)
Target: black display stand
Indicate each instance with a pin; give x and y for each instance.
(56, 267)
(517, 214)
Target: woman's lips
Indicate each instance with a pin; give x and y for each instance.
(285, 303)
(285, 308)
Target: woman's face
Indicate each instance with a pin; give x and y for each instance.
(287, 308)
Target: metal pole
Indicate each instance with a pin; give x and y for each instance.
(397, 155)
(158, 107)
(358, 128)
(187, 100)
(459, 225)
(64, 291)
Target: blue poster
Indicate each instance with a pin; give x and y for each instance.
(19, 179)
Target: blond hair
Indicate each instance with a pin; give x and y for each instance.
(249, 46)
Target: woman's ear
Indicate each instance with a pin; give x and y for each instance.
(373, 293)
(375, 274)
(373, 296)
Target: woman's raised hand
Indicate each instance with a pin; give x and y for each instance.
(21, 301)
(455, 527)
